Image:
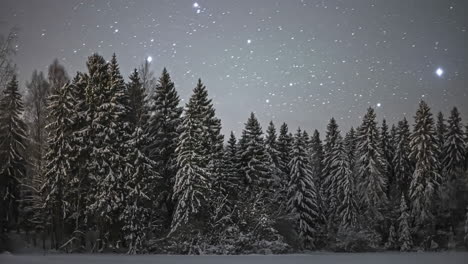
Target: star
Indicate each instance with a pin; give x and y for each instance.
(439, 72)
(249, 41)
(379, 105)
(149, 59)
(196, 5)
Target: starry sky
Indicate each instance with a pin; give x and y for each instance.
(299, 61)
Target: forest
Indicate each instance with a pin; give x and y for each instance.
(94, 163)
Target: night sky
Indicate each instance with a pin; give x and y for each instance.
(296, 61)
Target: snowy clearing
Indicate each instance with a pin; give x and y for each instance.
(315, 258)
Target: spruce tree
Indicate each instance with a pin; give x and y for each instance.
(137, 112)
(404, 231)
(254, 158)
(329, 182)
(316, 156)
(12, 155)
(426, 176)
(271, 145)
(347, 211)
(193, 179)
(350, 145)
(284, 149)
(441, 131)
(453, 172)
(271, 148)
(387, 154)
(302, 193)
(140, 185)
(454, 149)
(162, 128)
(58, 170)
(466, 229)
(371, 169)
(232, 169)
(401, 159)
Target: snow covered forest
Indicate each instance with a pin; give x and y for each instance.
(92, 163)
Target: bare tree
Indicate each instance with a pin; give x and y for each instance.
(7, 50)
(147, 78)
(58, 76)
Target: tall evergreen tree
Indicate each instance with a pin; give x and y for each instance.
(232, 169)
(404, 239)
(58, 169)
(426, 176)
(453, 172)
(254, 159)
(303, 200)
(401, 160)
(193, 179)
(12, 154)
(347, 211)
(371, 169)
(137, 112)
(387, 154)
(330, 183)
(441, 131)
(164, 120)
(284, 149)
(350, 145)
(141, 176)
(112, 136)
(271, 145)
(454, 149)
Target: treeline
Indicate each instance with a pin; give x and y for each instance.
(96, 164)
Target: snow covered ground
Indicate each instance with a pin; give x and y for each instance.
(315, 258)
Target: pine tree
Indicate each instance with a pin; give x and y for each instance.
(303, 200)
(254, 158)
(371, 169)
(232, 169)
(271, 145)
(392, 239)
(112, 136)
(466, 229)
(454, 149)
(347, 211)
(58, 169)
(271, 148)
(401, 160)
(164, 120)
(316, 156)
(330, 184)
(140, 185)
(140, 177)
(193, 181)
(441, 131)
(137, 112)
(387, 154)
(350, 145)
(404, 231)
(453, 172)
(12, 155)
(284, 149)
(82, 140)
(426, 176)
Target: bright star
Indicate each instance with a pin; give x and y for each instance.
(196, 5)
(379, 104)
(439, 72)
(149, 59)
(249, 41)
